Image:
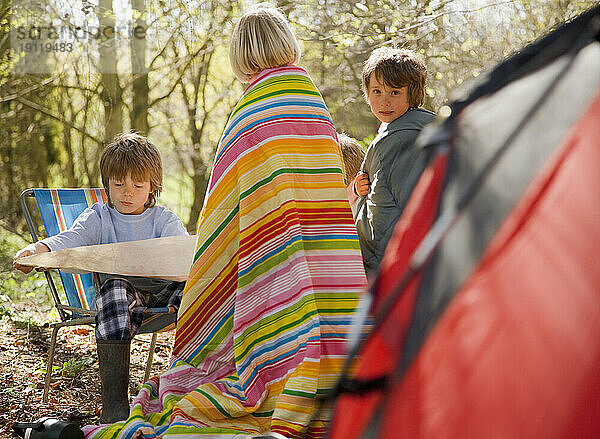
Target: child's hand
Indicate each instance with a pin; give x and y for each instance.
(31, 249)
(361, 184)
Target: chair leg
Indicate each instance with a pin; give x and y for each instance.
(50, 363)
(150, 357)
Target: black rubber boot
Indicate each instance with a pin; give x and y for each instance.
(113, 362)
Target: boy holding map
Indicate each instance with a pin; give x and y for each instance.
(131, 171)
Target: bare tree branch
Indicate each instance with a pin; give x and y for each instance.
(48, 113)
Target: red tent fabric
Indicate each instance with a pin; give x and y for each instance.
(411, 229)
(495, 335)
(517, 352)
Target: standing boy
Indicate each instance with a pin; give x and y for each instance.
(393, 82)
(131, 171)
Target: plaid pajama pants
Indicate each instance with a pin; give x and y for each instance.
(121, 307)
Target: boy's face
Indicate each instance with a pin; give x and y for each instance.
(129, 196)
(387, 103)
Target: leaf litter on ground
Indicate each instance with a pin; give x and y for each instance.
(74, 387)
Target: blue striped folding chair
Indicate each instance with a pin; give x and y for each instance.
(58, 209)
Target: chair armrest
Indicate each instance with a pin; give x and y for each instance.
(88, 312)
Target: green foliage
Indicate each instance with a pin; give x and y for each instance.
(73, 367)
(22, 288)
(9, 245)
(54, 125)
(17, 289)
(458, 40)
(5, 308)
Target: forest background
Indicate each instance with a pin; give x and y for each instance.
(161, 67)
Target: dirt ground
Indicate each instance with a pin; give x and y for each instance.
(75, 387)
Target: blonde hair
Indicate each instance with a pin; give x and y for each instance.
(133, 154)
(352, 154)
(262, 39)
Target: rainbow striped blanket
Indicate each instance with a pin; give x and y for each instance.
(275, 280)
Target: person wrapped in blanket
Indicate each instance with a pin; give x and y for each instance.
(131, 171)
(277, 274)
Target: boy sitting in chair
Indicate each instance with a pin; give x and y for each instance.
(131, 171)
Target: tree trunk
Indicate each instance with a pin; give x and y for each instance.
(200, 183)
(139, 111)
(199, 167)
(68, 139)
(112, 92)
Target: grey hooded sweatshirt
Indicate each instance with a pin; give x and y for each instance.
(394, 165)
